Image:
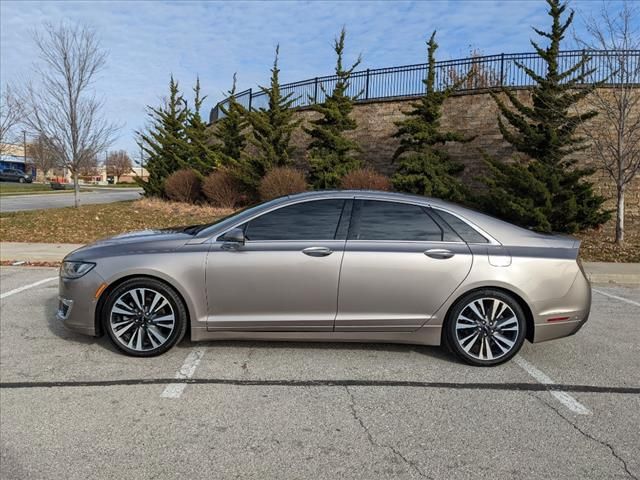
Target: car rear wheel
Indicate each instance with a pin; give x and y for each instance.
(486, 327)
(144, 317)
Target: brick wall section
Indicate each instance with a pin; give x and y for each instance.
(473, 115)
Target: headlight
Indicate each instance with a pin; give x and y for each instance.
(75, 269)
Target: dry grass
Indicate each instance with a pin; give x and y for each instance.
(92, 222)
(598, 246)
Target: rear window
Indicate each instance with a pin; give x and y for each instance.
(463, 229)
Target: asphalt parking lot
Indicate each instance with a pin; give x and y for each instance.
(72, 407)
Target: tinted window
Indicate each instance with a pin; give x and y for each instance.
(303, 221)
(396, 221)
(466, 232)
(448, 234)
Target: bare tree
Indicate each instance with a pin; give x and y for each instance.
(118, 164)
(62, 105)
(475, 73)
(616, 143)
(42, 156)
(90, 168)
(11, 114)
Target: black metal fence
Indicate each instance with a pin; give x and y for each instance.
(475, 73)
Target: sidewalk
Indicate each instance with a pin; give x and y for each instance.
(35, 252)
(598, 272)
(602, 272)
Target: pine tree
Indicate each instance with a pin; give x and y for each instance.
(202, 157)
(229, 130)
(331, 154)
(271, 130)
(545, 134)
(164, 142)
(424, 168)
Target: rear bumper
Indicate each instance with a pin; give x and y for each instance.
(576, 306)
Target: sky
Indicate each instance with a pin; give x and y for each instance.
(147, 41)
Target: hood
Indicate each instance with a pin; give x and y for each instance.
(137, 242)
(144, 236)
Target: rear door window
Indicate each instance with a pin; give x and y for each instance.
(381, 220)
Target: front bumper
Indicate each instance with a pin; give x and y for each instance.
(77, 302)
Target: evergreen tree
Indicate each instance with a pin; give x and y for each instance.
(331, 154)
(202, 157)
(505, 180)
(545, 133)
(164, 142)
(424, 168)
(271, 130)
(229, 130)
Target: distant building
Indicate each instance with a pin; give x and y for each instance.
(13, 156)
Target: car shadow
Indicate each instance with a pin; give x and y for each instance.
(436, 352)
(59, 330)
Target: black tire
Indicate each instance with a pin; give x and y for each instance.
(179, 312)
(21, 180)
(471, 357)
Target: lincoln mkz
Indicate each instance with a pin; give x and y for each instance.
(339, 266)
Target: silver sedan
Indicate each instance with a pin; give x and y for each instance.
(339, 266)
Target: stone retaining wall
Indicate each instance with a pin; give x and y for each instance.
(474, 115)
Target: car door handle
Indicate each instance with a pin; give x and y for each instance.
(439, 253)
(317, 251)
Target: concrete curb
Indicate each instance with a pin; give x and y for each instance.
(597, 272)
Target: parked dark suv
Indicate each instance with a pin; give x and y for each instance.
(14, 175)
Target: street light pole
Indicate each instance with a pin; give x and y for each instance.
(24, 149)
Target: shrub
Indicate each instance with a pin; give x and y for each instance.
(281, 181)
(222, 189)
(365, 179)
(183, 186)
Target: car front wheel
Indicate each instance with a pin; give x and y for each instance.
(21, 180)
(486, 327)
(144, 317)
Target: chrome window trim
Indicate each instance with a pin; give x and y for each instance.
(409, 241)
(370, 241)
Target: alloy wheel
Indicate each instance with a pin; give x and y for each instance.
(142, 319)
(487, 329)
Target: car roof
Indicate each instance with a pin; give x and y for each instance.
(365, 194)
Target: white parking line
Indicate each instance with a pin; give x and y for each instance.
(174, 390)
(622, 299)
(27, 287)
(563, 397)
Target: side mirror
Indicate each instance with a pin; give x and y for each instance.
(235, 235)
